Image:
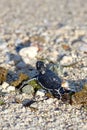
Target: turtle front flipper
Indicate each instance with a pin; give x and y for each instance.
(27, 82)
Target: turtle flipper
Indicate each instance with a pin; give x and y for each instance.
(26, 82)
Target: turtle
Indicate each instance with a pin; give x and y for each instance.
(48, 80)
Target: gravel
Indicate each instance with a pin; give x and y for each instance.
(57, 30)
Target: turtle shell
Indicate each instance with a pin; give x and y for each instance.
(49, 80)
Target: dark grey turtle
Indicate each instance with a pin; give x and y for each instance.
(48, 80)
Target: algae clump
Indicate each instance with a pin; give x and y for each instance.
(35, 85)
(81, 96)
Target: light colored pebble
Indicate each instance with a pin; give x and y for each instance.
(66, 60)
(3, 46)
(5, 85)
(83, 48)
(11, 89)
(50, 100)
(29, 52)
(28, 89)
(40, 93)
(34, 105)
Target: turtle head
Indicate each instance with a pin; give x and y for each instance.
(41, 67)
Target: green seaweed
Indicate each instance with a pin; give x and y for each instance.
(35, 85)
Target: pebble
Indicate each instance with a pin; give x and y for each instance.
(50, 101)
(66, 60)
(5, 85)
(3, 46)
(27, 102)
(34, 105)
(40, 94)
(18, 41)
(7, 56)
(80, 46)
(29, 52)
(11, 89)
(83, 48)
(28, 89)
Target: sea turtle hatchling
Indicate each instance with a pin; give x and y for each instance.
(48, 80)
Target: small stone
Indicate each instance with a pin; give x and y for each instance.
(65, 47)
(29, 52)
(50, 100)
(66, 60)
(34, 105)
(28, 89)
(40, 93)
(5, 85)
(17, 100)
(3, 46)
(25, 39)
(27, 102)
(18, 41)
(11, 89)
(83, 48)
(40, 120)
